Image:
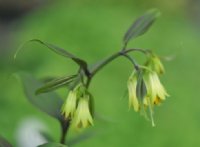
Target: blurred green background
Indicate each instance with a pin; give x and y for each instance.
(93, 30)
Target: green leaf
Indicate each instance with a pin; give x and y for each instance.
(59, 51)
(74, 83)
(91, 105)
(141, 25)
(48, 102)
(52, 145)
(4, 142)
(82, 137)
(47, 136)
(141, 89)
(55, 84)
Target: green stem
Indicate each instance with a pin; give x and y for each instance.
(103, 63)
(114, 56)
(123, 52)
(132, 61)
(65, 124)
(88, 82)
(146, 52)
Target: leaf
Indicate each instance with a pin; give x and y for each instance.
(48, 102)
(55, 84)
(81, 137)
(47, 136)
(52, 145)
(59, 51)
(4, 142)
(91, 105)
(99, 65)
(141, 25)
(76, 81)
(141, 89)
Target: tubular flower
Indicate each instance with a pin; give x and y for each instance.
(77, 107)
(83, 117)
(132, 88)
(155, 90)
(69, 106)
(156, 65)
(132, 83)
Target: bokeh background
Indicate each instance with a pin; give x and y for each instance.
(93, 30)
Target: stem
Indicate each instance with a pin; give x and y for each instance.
(114, 56)
(104, 62)
(125, 45)
(132, 61)
(88, 82)
(147, 52)
(64, 128)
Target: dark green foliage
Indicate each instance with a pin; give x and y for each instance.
(49, 102)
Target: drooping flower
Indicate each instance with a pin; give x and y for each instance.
(134, 100)
(155, 90)
(69, 107)
(83, 117)
(77, 107)
(132, 84)
(145, 88)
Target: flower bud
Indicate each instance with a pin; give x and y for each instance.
(156, 65)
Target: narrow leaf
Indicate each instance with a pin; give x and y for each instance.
(141, 25)
(59, 51)
(91, 105)
(48, 102)
(141, 89)
(52, 145)
(62, 52)
(55, 84)
(4, 142)
(74, 83)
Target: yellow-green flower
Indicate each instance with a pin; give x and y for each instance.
(155, 90)
(133, 99)
(132, 83)
(77, 107)
(156, 65)
(83, 117)
(69, 106)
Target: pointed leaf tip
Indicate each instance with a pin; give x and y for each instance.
(63, 52)
(141, 25)
(57, 50)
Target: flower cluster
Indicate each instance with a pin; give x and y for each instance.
(77, 107)
(153, 90)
